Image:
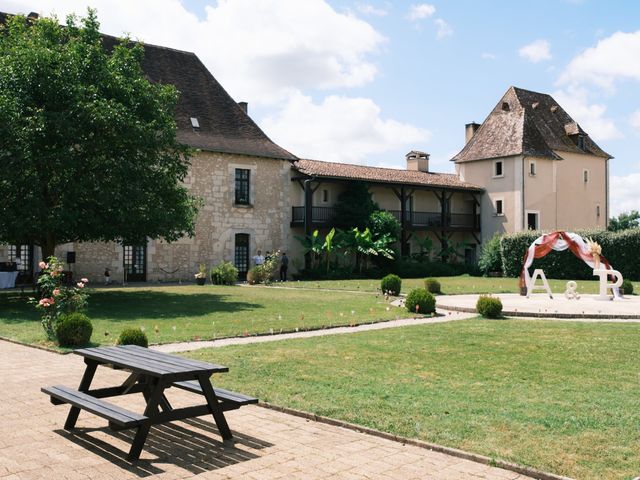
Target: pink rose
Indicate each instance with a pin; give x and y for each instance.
(84, 280)
(46, 302)
(55, 273)
(80, 285)
(43, 265)
(56, 292)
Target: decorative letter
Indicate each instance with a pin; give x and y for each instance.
(603, 273)
(538, 273)
(571, 291)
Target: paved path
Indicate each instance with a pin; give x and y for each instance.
(446, 316)
(269, 444)
(587, 308)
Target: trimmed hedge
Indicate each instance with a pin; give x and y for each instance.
(432, 285)
(620, 249)
(391, 284)
(489, 307)
(73, 330)
(419, 297)
(133, 336)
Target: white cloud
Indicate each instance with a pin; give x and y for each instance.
(536, 51)
(623, 191)
(340, 129)
(488, 56)
(444, 29)
(421, 11)
(613, 58)
(260, 51)
(634, 120)
(590, 116)
(368, 9)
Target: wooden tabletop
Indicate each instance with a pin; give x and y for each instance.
(148, 362)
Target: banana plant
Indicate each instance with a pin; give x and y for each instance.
(329, 246)
(311, 244)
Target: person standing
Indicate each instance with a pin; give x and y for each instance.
(284, 265)
(107, 276)
(258, 259)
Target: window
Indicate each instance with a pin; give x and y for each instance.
(532, 169)
(533, 221)
(585, 176)
(241, 259)
(598, 211)
(325, 196)
(498, 168)
(242, 186)
(500, 207)
(581, 142)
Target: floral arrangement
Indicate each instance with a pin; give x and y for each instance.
(56, 298)
(595, 250)
(202, 271)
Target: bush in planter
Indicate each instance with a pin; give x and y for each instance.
(420, 301)
(133, 336)
(391, 284)
(224, 274)
(489, 307)
(73, 330)
(627, 287)
(432, 285)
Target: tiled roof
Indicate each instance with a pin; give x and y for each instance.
(224, 126)
(316, 168)
(528, 123)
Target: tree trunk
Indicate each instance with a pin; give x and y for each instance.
(48, 247)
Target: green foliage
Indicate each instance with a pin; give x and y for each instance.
(425, 243)
(133, 336)
(73, 330)
(224, 274)
(432, 285)
(265, 272)
(56, 298)
(89, 148)
(490, 259)
(625, 221)
(420, 301)
(312, 245)
(489, 307)
(354, 207)
(391, 284)
(384, 224)
(627, 287)
(619, 248)
(409, 268)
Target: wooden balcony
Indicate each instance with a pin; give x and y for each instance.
(322, 217)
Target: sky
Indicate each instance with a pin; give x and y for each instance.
(367, 81)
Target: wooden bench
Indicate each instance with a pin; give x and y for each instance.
(116, 415)
(228, 400)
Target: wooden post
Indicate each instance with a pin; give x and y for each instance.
(308, 217)
(403, 223)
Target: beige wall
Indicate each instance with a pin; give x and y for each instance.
(211, 177)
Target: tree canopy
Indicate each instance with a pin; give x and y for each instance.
(88, 145)
(354, 207)
(624, 221)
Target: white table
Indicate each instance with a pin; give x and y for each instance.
(8, 279)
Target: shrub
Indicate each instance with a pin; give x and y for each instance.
(133, 336)
(432, 285)
(264, 273)
(489, 307)
(618, 247)
(384, 223)
(224, 274)
(391, 284)
(73, 330)
(420, 301)
(627, 287)
(490, 258)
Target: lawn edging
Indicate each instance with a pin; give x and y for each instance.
(454, 452)
(31, 345)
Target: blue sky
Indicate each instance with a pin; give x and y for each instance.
(367, 81)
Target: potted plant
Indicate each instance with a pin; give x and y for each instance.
(201, 276)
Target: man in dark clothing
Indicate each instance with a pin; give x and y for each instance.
(284, 264)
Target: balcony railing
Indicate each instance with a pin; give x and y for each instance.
(324, 215)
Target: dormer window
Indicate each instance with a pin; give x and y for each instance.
(505, 106)
(195, 124)
(581, 142)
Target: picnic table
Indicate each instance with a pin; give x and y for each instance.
(152, 373)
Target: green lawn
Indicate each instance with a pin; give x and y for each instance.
(450, 285)
(170, 314)
(562, 397)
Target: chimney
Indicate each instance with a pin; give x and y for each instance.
(469, 130)
(418, 161)
(244, 106)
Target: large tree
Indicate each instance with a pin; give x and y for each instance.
(88, 148)
(625, 221)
